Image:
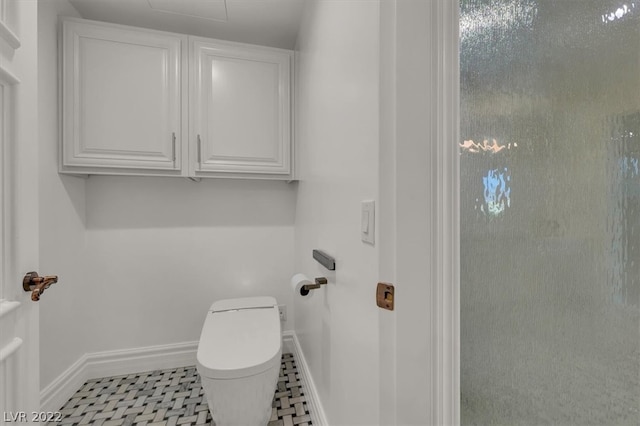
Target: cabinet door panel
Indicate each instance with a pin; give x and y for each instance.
(241, 110)
(229, 114)
(121, 98)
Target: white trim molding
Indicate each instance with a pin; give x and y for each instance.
(58, 392)
(6, 33)
(7, 306)
(9, 36)
(316, 411)
(447, 397)
(7, 78)
(10, 348)
(115, 363)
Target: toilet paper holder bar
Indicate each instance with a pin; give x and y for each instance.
(324, 259)
(307, 287)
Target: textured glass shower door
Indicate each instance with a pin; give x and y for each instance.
(550, 212)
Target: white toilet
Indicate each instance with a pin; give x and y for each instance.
(239, 359)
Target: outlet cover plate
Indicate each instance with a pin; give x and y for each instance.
(282, 309)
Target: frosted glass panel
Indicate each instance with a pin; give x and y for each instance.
(550, 212)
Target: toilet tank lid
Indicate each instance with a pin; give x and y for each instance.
(243, 303)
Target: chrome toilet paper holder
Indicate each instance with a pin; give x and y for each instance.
(304, 290)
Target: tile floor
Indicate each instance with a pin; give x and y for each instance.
(172, 397)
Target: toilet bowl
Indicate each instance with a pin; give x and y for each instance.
(238, 359)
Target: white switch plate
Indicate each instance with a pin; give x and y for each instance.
(368, 221)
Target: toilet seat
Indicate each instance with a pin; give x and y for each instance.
(240, 338)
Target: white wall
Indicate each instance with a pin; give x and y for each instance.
(161, 250)
(141, 259)
(337, 124)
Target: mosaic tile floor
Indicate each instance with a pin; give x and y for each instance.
(172, 397)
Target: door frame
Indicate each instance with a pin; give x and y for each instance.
(448, 215)
(419, 212)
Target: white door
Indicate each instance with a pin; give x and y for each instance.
(19, 359)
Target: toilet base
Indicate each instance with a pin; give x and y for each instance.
(242, 402)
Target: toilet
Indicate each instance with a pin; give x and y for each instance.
(238, 359)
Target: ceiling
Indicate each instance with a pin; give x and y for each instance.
(265, 22)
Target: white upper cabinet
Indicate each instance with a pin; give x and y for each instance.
(121, 99)
(143, 102)
(240, 109)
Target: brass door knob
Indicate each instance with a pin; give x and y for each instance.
(37, 284)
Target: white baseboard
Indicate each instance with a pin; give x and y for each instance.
(128, 361)
(114, 363)
(58, 392)
(292, 345)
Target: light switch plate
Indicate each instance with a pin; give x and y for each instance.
(368, 222)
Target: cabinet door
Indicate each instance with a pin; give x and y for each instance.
(121, 98)
(240, 110)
